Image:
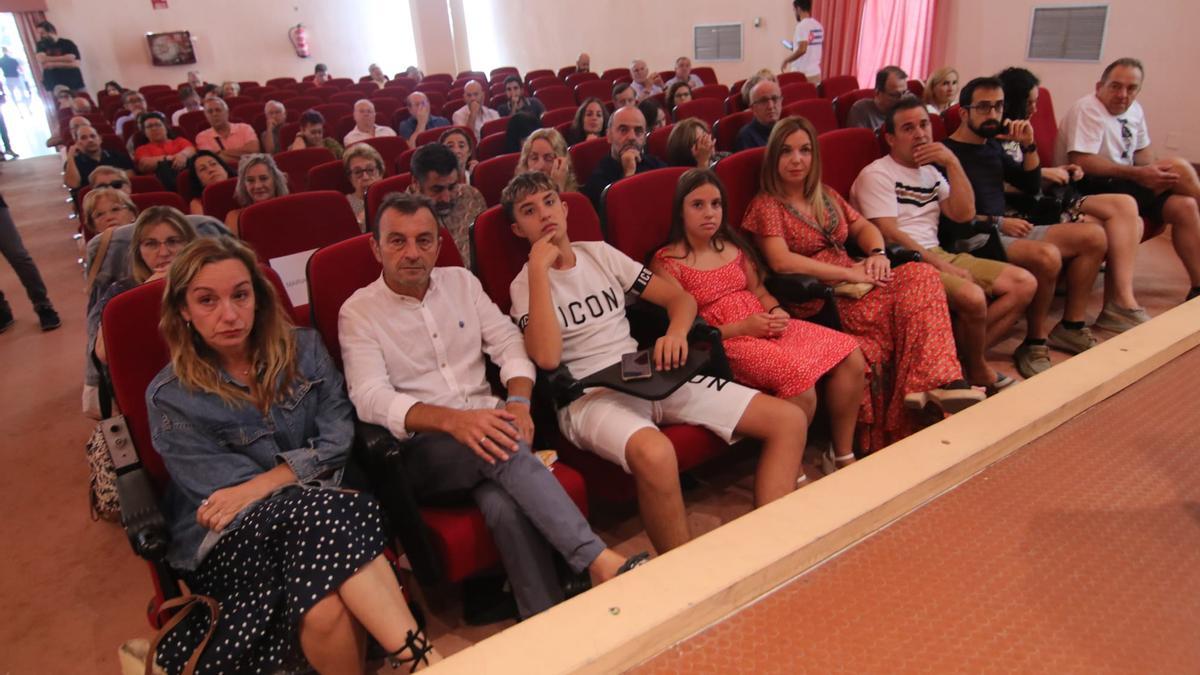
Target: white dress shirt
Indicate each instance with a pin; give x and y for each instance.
(399, 351)
(355, 135)
(463, 115)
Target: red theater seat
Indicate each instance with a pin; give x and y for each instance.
(491, 175)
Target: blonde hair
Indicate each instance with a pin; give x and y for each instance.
(155, 215)
(241, 194)
(770, 181)
(362, 151)
(935, 78)
(559, 144)
(90, 202)
(272, 345)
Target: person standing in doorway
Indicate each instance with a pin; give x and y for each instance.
(808, 43)
(14, 78)
(59, 58)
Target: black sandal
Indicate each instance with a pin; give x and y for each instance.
(633, 561)
(418, 644)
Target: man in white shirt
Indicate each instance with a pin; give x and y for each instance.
(413, 344)
(905, 195)
(683, 73)
(644, 86)
(364, 124)
(808, 43)
(1106, 135)
(191, 103)
(474, 114)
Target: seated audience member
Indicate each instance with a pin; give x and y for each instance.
(1106, 134)
(1074, 248)
(748, 86)
(680, 92)
(414, 73)
(583, 64)
(63, 98)
(321, 75)
(364, 168)
(457, 437)
(81, 105)
(767, 349)
(591, 121)
(684, 74)
(692, 144)
(891, 85)
(259, 179)
(110, 176)
(229, 89)
(230, 140)
(375, 73)
(86, 154)
(623, 95)
(898, 315)
(656, 118)
(766, 105)
(474, 113)
(644, 83)
(627, 156)
(462, 145)
(941, 90)
(1116, 213)
(364, 124)
(195, 81)
(437, 175)
(191, 103)
(312, 134)
(905, 195)
(107, 207)
(546, 150)
(113, 88)
(420, 118)
(808, 42)
(134, 104)
(562, 276)
(516, 100)
(161, 155)
(237, 362)
(205, 168)
(276, 116)
(519, 127)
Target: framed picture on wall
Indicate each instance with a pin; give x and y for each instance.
(171, 49)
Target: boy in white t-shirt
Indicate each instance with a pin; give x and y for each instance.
(808, 43)
(569, 299)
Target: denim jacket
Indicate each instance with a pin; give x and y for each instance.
(208, 444)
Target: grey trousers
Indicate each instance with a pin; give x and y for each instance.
(525, 507)
(14, 251)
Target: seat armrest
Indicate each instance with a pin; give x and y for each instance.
(794, 289)
(895, 252)
(141, 516)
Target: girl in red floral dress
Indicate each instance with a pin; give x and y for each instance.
(902, 321)
(767, 349)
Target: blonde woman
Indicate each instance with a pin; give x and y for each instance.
(311, 581)
(545, 150)
(107, 207)
(258, 180)
(941, 90)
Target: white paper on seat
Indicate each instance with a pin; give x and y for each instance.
(291, 270)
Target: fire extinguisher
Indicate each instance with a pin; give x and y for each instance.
(299, 38)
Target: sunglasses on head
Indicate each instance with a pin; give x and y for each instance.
(116, 184)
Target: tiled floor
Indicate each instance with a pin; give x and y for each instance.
(1080, 553)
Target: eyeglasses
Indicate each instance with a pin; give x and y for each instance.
(985, 107)
(767, 99)
(364, 171)
(116, 185)
(152, 245)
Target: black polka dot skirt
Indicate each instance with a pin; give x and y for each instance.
(289, 552)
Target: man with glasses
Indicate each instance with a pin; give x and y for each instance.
(628, 156)
(1106, 134)
(86, 155)
(891, 86)
(134, 104)
(766, 104)
(420, 117)
(436, 175)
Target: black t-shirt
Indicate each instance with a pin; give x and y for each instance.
(10, 66)
(609, 171)
(988, 168)
(52, 77)
(87, 165)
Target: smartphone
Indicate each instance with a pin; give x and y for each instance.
(789, 45)
(636, 366)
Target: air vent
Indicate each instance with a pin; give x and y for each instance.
(718, 42)
(1073, 33)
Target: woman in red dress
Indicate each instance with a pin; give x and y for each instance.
(767, 349)
(899, 315)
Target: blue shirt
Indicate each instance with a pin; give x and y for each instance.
(408, 126)
(208, 444)
(753, 135)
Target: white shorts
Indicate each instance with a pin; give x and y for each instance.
(603, 420)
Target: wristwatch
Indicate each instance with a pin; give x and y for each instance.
(877, 251)
(1029, 148)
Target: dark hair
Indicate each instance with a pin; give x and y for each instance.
(186, 92)
(650, 108)
(114, 84)
(673, 89)
(433, 157)
(520, 126)
(681, 140)
(1127, 61)
(521, 186)
(197, 186)
(1018, 82)
(47, 26)
(321, 68)
(805, 5)
(310, 117)
(406, 203)
(884, 73)
(144, 117)
(576, 134)
(906, 103)
(513, 78)
(689, 182)
(619, 88)
(967, 95)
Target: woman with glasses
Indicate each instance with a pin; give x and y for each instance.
(364, 168)
(679, 92)
(161, 155)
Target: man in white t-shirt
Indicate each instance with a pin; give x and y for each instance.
(905, 195)
(808, 43)
(364, 124)
(569, 299)
(1106, 135)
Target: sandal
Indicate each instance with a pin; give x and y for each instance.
(948, 400)
(831, 462)
(633, 561)
(1002, 382)
(419, 646)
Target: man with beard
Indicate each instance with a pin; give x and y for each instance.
(1045, 250)
(436, 175)
(627, 136)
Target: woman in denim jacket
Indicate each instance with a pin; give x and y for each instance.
(253, 424)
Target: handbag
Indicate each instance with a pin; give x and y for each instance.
(1054, 204)
(102, 473)
(184, 605)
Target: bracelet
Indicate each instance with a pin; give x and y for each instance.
(775, 308)
(519, 399)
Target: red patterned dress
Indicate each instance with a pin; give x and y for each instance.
(785, 366)
(903, 327)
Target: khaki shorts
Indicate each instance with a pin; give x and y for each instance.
(983, 271)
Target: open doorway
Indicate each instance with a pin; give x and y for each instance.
(23, 111)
